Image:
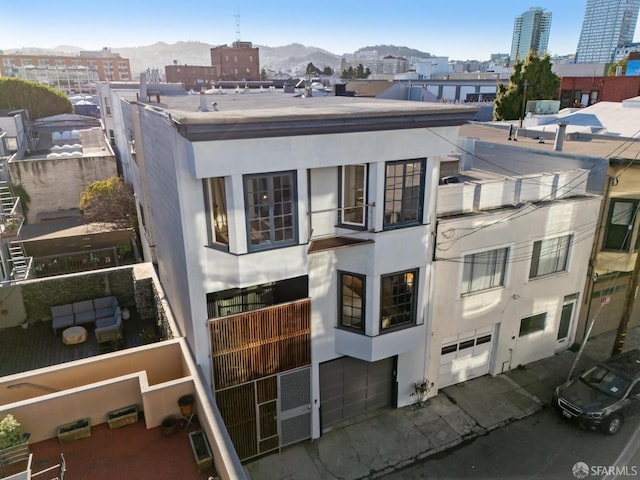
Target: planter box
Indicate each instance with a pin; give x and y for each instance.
(201, 450)
(122, 417)
(17, 453)
(74, 430)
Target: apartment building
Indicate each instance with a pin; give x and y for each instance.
(511, 255)
(530, 33)
(275, 220)
(237, 62)
(601, 138)
(71, 74)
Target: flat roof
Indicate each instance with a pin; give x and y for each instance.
(576, 144)
(269, 113)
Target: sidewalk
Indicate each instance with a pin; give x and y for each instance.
(379, 445)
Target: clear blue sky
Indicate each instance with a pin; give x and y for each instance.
(461, 30)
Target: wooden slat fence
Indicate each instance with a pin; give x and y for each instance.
(260, 343)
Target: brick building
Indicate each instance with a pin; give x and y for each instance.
(585, 91)
(238, 62)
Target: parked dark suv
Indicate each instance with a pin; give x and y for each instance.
(603, 396)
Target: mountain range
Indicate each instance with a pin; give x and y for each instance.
(284, 59)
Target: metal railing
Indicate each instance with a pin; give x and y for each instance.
(77, 262)
(332, 222)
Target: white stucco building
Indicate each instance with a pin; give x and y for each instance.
(293, 237)
(511, 257)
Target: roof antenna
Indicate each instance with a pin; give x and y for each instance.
(237, 15)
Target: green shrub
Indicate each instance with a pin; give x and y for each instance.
(11, 432)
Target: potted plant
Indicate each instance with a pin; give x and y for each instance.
(14, 444)
(169, 425)
(186, 405)
(421, 390)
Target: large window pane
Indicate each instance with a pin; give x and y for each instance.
(550, 256)
(535, 323)
(270, 210)
(620, 225)
(216, 198)
(352, 301)
(398, 299)
(354, 179)
(484, 270)
(403, 193)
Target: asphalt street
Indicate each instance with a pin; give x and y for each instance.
(542, 446)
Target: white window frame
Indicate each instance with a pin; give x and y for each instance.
(505, 274)
(567, 259)
(344, 197)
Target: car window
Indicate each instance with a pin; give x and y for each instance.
(606, 381)
(635, 390)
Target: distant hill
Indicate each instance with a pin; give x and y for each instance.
(285, 59)
(396, 51)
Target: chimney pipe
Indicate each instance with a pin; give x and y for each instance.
(203, 102)
(143, 87)
(562, 128)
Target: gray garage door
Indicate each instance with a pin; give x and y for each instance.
(349, 387)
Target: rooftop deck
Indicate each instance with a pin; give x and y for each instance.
(128, 452)
(22, 350)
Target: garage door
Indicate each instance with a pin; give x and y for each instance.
(349, 387)
(465, 356)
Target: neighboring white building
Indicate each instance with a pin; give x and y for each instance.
(293, 239)
(510, 262)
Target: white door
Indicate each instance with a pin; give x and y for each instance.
(466, 356)
(564, 325)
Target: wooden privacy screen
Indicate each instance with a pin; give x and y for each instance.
(251, 345)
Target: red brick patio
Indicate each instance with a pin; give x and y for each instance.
(129, 452)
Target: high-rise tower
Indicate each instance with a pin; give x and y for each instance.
(530, 32)
(607, 24)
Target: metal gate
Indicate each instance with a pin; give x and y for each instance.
(266, 414)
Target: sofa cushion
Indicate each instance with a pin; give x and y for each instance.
(63, 321)
(61, 310)
(83, 312)
(105, 306)
(108, 321)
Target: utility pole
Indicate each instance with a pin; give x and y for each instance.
(628, 308)
(524, 100)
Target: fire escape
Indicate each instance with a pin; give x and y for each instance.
(16, 265)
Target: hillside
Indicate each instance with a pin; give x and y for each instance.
(284, 59)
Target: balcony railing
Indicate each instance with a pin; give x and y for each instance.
(341, 221)
(79, 262)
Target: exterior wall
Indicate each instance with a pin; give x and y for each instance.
(520, 297)
(607, 89)
(56, 184)
(191, 76)
(162, 151)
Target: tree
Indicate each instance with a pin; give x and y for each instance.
(359, 72)
(312, 69)
(530, 80)
(327, 70)
(109, 201)
(611, 71)
(38, 99)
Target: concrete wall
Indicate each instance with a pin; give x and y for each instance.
(56, 184)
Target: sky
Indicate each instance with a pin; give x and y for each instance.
(460, 30)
